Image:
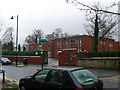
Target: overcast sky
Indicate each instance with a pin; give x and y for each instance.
(46, 15)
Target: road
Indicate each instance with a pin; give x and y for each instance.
(110, 77)
(16, 73)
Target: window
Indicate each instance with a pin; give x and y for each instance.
(40, 76)
(59, 45)
(55, 76)
(102, 43)
(80, 43)
(110, 43)
(85, 77)
(49, 48)
(32, 47)
(67, 44)
(73, 41)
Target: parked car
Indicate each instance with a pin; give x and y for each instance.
(6, 61)
(61, 78)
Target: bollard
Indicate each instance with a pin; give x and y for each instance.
(3, 72)
(3, 76)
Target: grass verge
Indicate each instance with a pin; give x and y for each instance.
(10, 86)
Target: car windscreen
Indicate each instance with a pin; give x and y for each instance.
(85, 77)
(5, 59)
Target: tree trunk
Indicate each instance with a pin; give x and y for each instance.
(96, 32)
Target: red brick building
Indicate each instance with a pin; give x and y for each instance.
(35, 46)
(82, 43)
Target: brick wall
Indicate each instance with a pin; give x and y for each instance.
(67, 57)
(31, 59)
(100, 63)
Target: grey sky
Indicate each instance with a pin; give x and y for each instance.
(46, 15)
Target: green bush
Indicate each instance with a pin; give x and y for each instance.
(99, 54)
(84, 55)
(23, 53)
(108, 54)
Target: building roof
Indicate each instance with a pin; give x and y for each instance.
(43, 40)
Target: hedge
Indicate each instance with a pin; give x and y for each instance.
(23, 53)
(99, 54)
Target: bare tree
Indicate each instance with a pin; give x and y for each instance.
(56, 34)
(7, 40)
(106, 23)
(7, 36)
(38, 34)
(102, 22)
(66, 35)
(34, 37)
(49, 37)
(101, 25)
(76, 2)
(8, 46)
(28, 40)
(1, 26)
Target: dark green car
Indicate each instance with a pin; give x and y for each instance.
(61, 78)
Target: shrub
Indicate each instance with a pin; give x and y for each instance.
(99, 54)
(23, 53)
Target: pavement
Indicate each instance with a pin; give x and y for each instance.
(104, 73)
(33, 67)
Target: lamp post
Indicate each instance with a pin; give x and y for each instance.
(16, 37)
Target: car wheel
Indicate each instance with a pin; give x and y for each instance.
(23, 88)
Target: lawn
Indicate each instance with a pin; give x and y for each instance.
(9, 86)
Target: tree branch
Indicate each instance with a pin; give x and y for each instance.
(96, 10)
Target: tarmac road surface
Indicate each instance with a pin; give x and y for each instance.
(111, 78)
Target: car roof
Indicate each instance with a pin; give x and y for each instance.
(4, 58)
(65, 68)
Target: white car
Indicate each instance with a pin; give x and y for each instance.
(6, 61)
